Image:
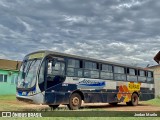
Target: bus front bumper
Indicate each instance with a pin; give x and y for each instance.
(36, 98)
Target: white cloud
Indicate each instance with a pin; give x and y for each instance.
(3, 4)
(2, 56)
(129, 4)
(27, 26)
(124, 31)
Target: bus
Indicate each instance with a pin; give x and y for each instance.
(53, 78)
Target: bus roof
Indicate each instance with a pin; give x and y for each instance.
(47, 52)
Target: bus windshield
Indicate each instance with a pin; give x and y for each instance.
(27, 74)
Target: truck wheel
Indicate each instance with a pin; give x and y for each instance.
(75, 101)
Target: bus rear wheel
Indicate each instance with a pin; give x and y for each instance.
(134, 100)
(75, 101)
(53, 107)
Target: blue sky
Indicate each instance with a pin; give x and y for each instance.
(122, 31)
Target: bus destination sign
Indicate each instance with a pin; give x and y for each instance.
(37, 55)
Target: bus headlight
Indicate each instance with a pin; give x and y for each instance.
(32, 93)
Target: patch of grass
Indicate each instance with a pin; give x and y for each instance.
(10, 103)
(155, 101)
(7, 97)
(6, 103)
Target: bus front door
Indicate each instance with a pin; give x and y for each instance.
(55, 78)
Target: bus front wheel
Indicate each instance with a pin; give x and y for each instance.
(74, 101)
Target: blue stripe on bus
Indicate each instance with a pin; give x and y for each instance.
(99, 84)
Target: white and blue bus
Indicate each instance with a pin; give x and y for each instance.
(53, 78)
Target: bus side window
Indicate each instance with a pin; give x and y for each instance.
(149, 77)
(74, 68)
(131, 74)
(55, 68)
(91, 69)
(58, 68)
(141, 76)
(119, 73)
(87, 73)
(106, 71)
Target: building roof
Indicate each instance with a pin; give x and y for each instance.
(154, 66)
(9, 64)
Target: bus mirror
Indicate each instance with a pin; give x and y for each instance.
(49, 67)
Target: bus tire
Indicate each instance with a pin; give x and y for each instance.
(75, 101)
(53, 107)
(134, 100)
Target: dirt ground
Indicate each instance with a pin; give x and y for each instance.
(18, 105)
(122, 107)
(99, 106)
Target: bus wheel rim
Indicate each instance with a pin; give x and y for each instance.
(75, 101)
